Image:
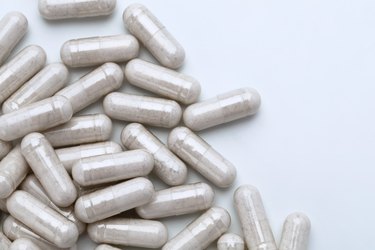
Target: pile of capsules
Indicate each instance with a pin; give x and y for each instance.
(59, 174)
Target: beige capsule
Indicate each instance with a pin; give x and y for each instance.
(221, 109)
(57, 9)
(168, 167)
(295, 233)
(24, 244)
(129, 232)
(143, 109)
(49, 170)
(230, 241)
(113, 200)
(93, 86)
(106, 247)
(178, 200)
(201, 156)
(155, 37)
(162, 81)
(93, 51)
(43, 85)
(34, 117)
(201, 232)
(80, 130)
(5, 148)
(255, 226)
(4, 242)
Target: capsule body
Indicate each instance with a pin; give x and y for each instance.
(5, 148)
(162, 81)
(114, 199)
(79, 130)
(24, 244)
(44, 84)
(221, 109)
(33, 117)
(167, 167)
(295, 233)
(143, 109)
(49, 170)
(230, 241)
(106, 247)
(201, 156)
(155, 37)
(202, 232)
(256, 229)
(4, 241)
(92, 86)
(178, 201)
(129, 232)
(57, 9)
(13, 27)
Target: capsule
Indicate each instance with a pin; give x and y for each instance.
(221, 109)
(129, 232)
(106, 247)
(178, 200)
(13, 27)
(49, 170)
(13, 169)
(202, 232)
(79, 130)
(32, 185)
(295, 233)
(34, 117)
(201, 156)
(56, 9)
(155, 37)
(143, 109)
(257, 231)
(168, 167)
(230, 241)
(162, 81)
(93, 86)
(43, 85)
(114, 199)
(5, 148)
(24, 244)
(93, 51)
(4, 242)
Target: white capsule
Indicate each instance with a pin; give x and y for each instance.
(230, 241)
(143, 109)
(201, 232)
(162, 81)
(178, 200)
(129, 232)
(49, 170)
(57, 9)
(295, 233)
(13, 27)
(201, 156)
(43, 85)
(5, 148)
(4, 242)
(256, 229)
(42, 219)
(221, 109)
(168, 167)
(155, 37)
(93, 86)
(79, 130)
(34, 117)
(24, 244)
(114, 199)
(3, 205)
(13, 169)
(106, 247)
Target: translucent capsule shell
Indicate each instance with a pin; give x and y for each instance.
(92, 51)
(5, 148)
(24, 244)
(106, 247)
(4, 242)
(255, 226)
(221, 109)
(34, 117)
(168, 167)
(43, 85)
(178, 200)
(295, 233)
(66, 9)
(143, 109)
(230, 241)
(129, 232)
(80, 130)
(162, 81)
(93, 86)
(201, 232)
(202, 157)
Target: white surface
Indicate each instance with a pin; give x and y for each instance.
(310, 148)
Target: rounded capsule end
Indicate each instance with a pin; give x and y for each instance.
(175, 114)
(173, 58)
(9, 106)
(105, 124)
(44, 10)
(194, 93)
(130, 132)
(131, 12)
(20, 19)
(6, 187)
(80, 211)
(253, 100)
(92, 231)
(65, 54)
(299, 219)
(64, 106)
(222, 215)
(77, 173)
(244, 192)
(176, 137)
(67, 236)
(148, 161)
(189, 118)
(114, 74)
(40, 54)
(32, 139)
(208, 194)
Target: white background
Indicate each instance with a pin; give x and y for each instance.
(310, 148)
